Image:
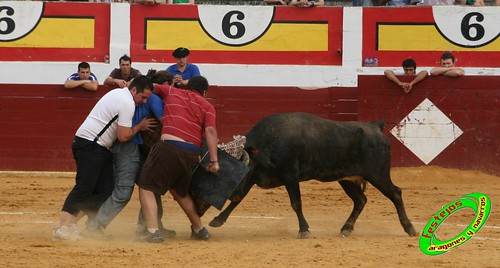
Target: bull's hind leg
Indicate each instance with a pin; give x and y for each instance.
(356, 193)
(385, 186)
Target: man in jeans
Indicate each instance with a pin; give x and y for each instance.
(111, 118)
(128, 161)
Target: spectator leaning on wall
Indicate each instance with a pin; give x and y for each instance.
(186, 2)
(307, 3)
(83, 78)
(121, 76)
(473, 2)
(410, 68)
(447, 67)
(277, 2)
(148, 2)
(398, 3)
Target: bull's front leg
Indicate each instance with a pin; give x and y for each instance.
(293, 189)
(219, 220)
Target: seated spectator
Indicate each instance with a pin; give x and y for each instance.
(436, 3)
(186, 2)
(277, 2)
(83, 78)
(410, 68)
(447, 67)
(479, 3)
(148, 2)
(398, 3)
(362, 3)
(307, 3)
(121, 76)
(182, 70)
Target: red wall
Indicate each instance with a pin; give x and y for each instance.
(471, 102)
(39, 121)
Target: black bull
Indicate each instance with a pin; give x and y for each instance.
(285, 149)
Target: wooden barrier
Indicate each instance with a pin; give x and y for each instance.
(470, 102)
(39, 121)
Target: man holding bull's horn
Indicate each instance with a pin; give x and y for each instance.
(188, 116)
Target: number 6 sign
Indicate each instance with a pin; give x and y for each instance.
(18, 19)
(467, 26)
(235, 25)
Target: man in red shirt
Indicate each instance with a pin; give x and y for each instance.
(188, 116)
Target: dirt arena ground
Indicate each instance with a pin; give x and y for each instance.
(262, 231)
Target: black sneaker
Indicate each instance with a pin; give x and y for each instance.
(168, 233)
(203, 234)
(153, 237)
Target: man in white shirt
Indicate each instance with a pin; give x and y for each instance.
(111, 118)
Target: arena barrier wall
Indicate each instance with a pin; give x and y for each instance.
(443, 121)
(259, 60)
(39, 121)
(454, 124)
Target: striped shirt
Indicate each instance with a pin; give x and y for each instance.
(187, 113)
(76, 77)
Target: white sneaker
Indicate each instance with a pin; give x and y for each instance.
(66, 233)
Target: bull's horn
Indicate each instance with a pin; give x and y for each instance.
(245, 158)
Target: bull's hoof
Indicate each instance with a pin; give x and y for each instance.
(410, 230)
(304, 234)
(216, 223)
(346, 230)
(345, 233)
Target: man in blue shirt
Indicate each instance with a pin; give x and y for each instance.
(182, 70)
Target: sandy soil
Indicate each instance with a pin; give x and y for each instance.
(262, 231)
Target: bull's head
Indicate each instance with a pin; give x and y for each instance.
(239, 192)
(202, 206)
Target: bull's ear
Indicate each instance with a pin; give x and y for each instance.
(380, 124)
(359, 134)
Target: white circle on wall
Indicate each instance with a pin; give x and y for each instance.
(235, 25)
(467, 26)
(18, 19)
